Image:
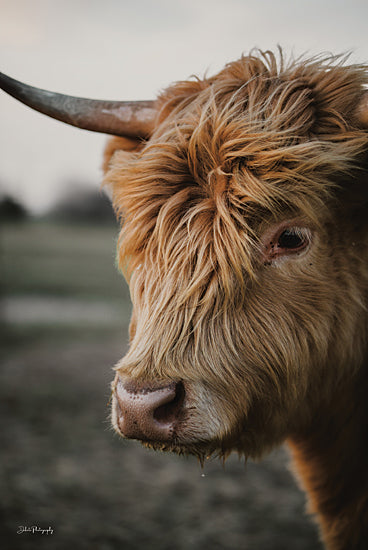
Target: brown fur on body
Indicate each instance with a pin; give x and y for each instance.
(267, 350)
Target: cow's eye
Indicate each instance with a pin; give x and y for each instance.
(285, 239)
(291, 239)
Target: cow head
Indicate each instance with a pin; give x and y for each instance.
(234, 243)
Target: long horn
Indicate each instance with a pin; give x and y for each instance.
(120, 118)
(362, 111)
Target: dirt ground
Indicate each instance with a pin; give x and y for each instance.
(62, 466)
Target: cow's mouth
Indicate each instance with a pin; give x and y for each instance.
(166, 416)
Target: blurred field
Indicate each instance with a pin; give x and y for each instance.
(65, 315)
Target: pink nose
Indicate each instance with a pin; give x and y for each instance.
(148, 412)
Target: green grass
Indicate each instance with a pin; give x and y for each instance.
(46, 258)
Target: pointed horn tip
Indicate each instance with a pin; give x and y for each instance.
(7, 83)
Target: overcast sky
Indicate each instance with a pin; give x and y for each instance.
(130, 49)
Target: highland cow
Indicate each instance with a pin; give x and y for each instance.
(243, 203)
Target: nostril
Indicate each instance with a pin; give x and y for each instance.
(168, 412)
(147, 411)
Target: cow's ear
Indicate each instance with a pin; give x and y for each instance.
(114, 144)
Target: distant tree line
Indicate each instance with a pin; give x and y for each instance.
(11, 210)
(79, 205)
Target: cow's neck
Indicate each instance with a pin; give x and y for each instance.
(331, 458)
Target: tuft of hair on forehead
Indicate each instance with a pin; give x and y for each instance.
(265, 112)
(265, 137)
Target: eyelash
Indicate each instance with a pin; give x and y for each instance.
(293, 238)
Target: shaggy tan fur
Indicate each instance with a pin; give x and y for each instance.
(267, 350)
